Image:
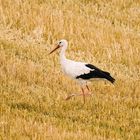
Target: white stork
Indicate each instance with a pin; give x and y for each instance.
(80, 71)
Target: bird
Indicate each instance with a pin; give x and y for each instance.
(82, 72)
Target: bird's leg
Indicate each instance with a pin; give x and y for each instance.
(70, 96)
(89, 91)
(87, 88)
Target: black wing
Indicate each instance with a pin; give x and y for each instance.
(96, 73)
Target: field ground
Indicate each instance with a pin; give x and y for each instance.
(32, 87)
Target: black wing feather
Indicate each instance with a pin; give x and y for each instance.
(96, 73)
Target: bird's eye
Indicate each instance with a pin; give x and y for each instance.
(60, 42)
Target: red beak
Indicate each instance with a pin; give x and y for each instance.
(57, 47)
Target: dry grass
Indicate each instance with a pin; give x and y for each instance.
(105, 33)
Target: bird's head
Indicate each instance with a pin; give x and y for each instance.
(60, 44)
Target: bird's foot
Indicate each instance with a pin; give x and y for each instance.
(70, 96)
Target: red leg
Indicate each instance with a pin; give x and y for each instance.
(69, 97)
(81, 94)
(87, 87)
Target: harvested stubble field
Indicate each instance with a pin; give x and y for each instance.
(105, 33)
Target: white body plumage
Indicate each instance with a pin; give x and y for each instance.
(74, 69)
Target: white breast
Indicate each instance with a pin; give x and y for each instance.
(74, 69)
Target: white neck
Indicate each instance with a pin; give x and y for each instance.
(62, 54)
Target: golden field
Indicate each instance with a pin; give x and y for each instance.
(105, 33)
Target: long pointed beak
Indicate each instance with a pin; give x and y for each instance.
(57, 47)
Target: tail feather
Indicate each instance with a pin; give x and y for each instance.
(107, 73)
(108, 77)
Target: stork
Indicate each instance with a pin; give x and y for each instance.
(80, 71)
